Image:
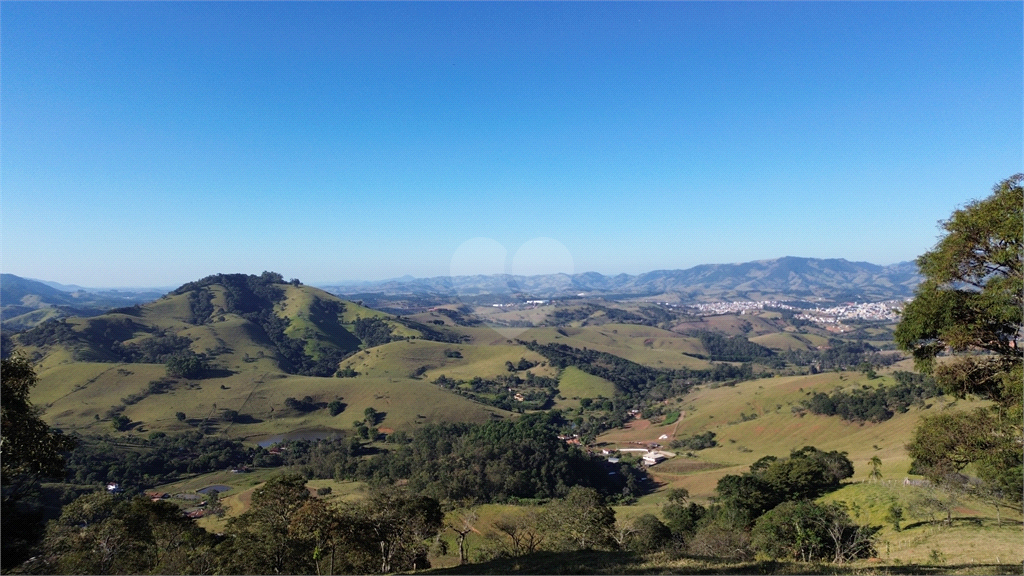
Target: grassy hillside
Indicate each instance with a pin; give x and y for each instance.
(575, 384)
(404, 358)
(84, 383)
(85, 372)
(790, 341)
(258, 397)
(764, 417)
(642, 344)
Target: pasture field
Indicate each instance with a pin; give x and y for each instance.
(641, 344)
(575, 384)
(764, 417)
(258, 397)
(535, 315)
(748, 325)
(787, 341)
(238, 498)
(403, 358)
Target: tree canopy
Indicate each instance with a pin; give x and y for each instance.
(27, 444)
(972, 299)
(972, 304)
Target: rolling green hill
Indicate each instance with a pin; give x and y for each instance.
(262, 341)
(27, 303)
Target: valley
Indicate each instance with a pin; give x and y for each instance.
(280, 362)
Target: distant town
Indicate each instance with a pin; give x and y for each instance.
(880, 311)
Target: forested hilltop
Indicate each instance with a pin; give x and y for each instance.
(252, 424)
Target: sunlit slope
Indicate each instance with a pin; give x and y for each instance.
(312, 322)
(575, 384)
(404, 358)
(642, 344)
(258, 398)
(790, 341)
(764, 417)
(226, 338)
(84, 381)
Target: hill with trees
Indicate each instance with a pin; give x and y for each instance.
(466, 439)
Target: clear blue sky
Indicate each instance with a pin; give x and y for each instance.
(149, 144)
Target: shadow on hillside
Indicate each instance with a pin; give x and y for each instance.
(594, 562)
(974, 521)
(586, 562)
(246, 419)
(211, 373)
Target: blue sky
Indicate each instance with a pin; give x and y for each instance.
(150, 144)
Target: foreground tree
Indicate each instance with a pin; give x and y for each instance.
(806, 531)
(29, 451)
(682, 518)
(27, 444)
(100, 533)
(582, 520)
(397, 526)
(259, 541)
(972, 304)
(462, 522)
(520, 530)
(972, 299)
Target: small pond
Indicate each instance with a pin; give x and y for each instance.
(215, 487)
(311, 434)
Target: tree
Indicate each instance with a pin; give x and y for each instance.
(397, 524)
(806, 531)
(523, 526)
(319, 530)
(972, 299)
(29, 451)
(680, 517)
(27, 444)
(876, 468)
(260, 539)
(806, 473)
(972, 304)
(120, 422)
(649, 534)
(371, 416)
(894, 515)
(186, 365)
(462, 523)
(582, 520)
(99, 533)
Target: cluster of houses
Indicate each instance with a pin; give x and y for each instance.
(650, 456)
(196, 511)
(528, 303)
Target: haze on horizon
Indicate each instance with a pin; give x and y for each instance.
(150, 144)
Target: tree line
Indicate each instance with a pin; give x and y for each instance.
(876, 404)
(288, 530)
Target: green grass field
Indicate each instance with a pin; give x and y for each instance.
(774, 430)
(641, 344)
(575, 384)
(786, 341)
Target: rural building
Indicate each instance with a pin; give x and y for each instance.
(653, 458)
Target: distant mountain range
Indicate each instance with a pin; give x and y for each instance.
(25, 303)
(788, 278)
